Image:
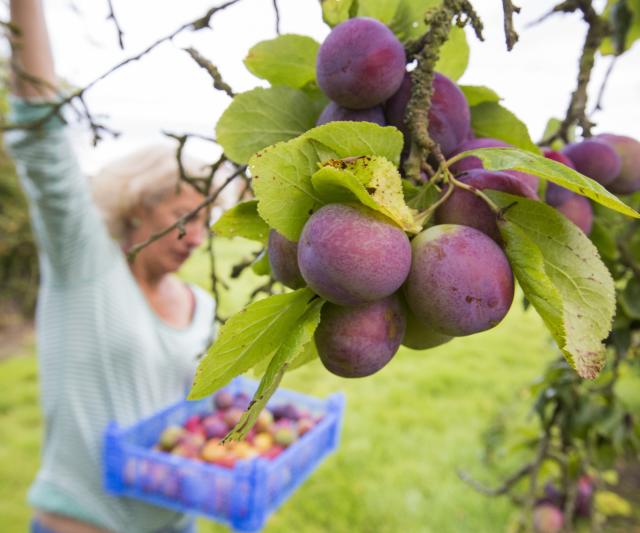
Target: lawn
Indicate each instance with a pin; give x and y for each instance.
(407, 429)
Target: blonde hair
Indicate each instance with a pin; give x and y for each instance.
(143, 177)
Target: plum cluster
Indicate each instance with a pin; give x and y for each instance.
(383, 290)
(200, 436)
(453, 279)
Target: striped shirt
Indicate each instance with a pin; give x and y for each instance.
(103, 353)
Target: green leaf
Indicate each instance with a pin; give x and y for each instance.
(624, 16)
(490, 119)
(408, 21)
(336, 11)
(562, 276)
(553, 125)
(282, 173)
(261, 117)
(478, 94)
(373, 181)
(422, 197)
(511, 158)
(248, 337)
(382, 10)
(307, 355)
(261, 265)
(243, 220)
(295, 343)
(611, 504)
(286, 60)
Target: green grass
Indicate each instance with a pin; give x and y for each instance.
(407, 429)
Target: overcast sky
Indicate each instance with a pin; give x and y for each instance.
(166, 89)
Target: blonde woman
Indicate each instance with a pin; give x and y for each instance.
(116, 341)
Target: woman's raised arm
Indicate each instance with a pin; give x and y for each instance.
(31, 58)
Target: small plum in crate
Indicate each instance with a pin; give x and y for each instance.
(241, 400)
(244, 450)
(304, 425)
(272, 452)
(193, 424)
(285, 435)
(170, 437)
(232, 416)
(223, 400)
(263, 442)
(213, 451)
(287, 410)
(214, 427)
(264, 420)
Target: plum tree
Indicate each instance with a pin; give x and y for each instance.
(449, 115)
(350, 254)
(333, 112)
(594, 159)
(358, 341)
(628, 180)
(460, 280)
(283, 259)
(360, 64)
(464, 207)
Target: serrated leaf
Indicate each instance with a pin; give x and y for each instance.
(336, 11)
(490, 119)
(262, 117)
(382, 10)
(549, 252)
(477, 94)
(286, 60)
(247, 337)
(373, 181)
(300, 335)
(510, 158)
(242, 220)
(282, 173)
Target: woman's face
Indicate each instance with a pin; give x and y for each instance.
(169, 252)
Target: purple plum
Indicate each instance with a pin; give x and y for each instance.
(283, 259)
(628, 180)
(460, 281)
(595, 159)
(333, 112)
(360, 64)
(350, 254)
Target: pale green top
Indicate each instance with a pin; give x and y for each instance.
(103, 353)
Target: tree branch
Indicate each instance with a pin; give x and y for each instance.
(112, 16)
(212, 70)
(510, 34)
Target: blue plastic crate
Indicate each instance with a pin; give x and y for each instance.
(242, 497)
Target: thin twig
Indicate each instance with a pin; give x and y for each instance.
(112, 16)
(598, 106)
(212, 70)
(502, 489)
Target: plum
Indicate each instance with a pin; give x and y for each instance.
(333, 112)
(358, 341)
(628, 179)
(223, 400)
(595, 159)
(471, 162)
(170, 437)
(578, 210)
(449, 115)
(283, 259)
(464, 207)
(214, 427)
(350, 254)
(547, 518)
(420, 335)
(558, 157)
(460, 280)
(584, 496)
(556, 195)
(360, 64)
